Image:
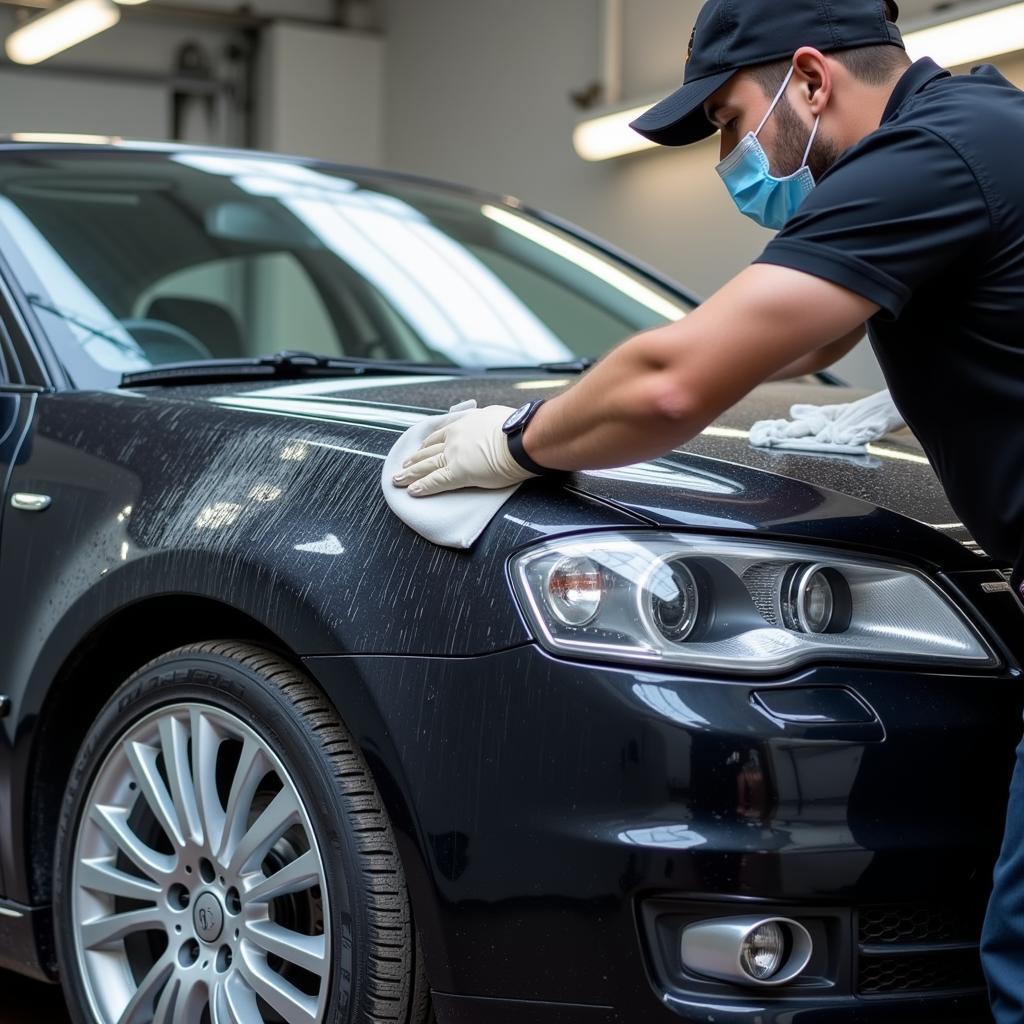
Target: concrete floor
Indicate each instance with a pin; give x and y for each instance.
(27, 1002)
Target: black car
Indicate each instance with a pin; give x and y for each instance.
(725, 736)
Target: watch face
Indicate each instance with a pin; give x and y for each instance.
(516, 418)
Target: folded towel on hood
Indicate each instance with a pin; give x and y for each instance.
(837, 429)
(453, 519)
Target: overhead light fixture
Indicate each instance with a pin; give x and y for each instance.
(954, 43)
(951, 44)
(61, 28)
(609, 135)
(65, 138)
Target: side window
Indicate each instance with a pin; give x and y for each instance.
(243, 306)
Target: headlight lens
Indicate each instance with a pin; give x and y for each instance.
(815, 599)
(750, 607)
(574, 590)
(671, 599)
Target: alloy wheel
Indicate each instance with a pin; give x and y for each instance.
(198, 889)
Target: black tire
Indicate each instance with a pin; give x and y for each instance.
(376, 973)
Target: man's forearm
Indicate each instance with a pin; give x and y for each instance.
(659, 389)
(624, 410)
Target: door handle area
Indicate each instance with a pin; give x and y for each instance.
(30, 502)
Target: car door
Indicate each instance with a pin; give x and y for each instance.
(17, 402)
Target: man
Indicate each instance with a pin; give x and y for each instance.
(898, 190)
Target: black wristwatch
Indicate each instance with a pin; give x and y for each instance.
(514, 427)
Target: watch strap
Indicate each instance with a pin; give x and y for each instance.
(518, 452)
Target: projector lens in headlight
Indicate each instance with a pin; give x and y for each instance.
(815, 599)
(763, 951)
(746, 606)
(574, 590)
(673, 600)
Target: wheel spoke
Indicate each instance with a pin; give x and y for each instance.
(166, 1008)
(306, 951)
(114, 928)
(280, 814)
(141, 1005)
(101, 876)
(191, 1001)
(142, 757)
(205, 743)
(234, 1002)
(301, 873)
(252, 766)
(283, 997)
(174, 743)
(114, 822)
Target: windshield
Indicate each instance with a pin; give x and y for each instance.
(135, 259)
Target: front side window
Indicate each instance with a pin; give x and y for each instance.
(134, 259)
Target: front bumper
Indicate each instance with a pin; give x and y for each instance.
(555, 818)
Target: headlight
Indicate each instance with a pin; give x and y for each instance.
(747, 606)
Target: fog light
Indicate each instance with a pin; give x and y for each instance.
(574, 590)
(751, 951)
(763, 951)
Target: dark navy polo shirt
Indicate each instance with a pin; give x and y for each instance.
(925, 217)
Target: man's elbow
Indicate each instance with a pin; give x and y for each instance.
(675, 402)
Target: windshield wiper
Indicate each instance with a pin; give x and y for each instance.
(79, 320)
(573, 366)
(280, 366)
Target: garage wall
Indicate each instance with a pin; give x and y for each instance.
(322, 93)
(45, 103)
(75, 92)
(480, 95)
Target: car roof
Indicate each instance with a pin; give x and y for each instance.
(19, 142)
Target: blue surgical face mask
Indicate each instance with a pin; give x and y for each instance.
(759, 195)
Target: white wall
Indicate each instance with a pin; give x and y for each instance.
(321, 93)
(49, 99)
(44, 100)
(478, 92)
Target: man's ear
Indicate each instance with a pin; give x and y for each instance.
(813, 77)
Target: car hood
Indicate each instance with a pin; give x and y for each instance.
(717, 479)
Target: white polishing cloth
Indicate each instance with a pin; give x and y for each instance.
(453, 519)
(836, 429)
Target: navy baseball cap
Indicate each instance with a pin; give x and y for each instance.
(734, 34)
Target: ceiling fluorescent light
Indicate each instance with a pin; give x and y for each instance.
(609, 135)
(965, 40)
(951, 44)
(60, 29)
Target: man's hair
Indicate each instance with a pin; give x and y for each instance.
(874, 65)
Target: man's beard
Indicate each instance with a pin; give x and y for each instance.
(791, 137)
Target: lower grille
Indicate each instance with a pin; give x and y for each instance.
(918, 948)
(919, 972)
(917, 923)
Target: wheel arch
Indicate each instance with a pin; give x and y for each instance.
(115, 648)
(109, 653)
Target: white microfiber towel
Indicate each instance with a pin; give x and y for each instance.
(453, 519)
(836, 429)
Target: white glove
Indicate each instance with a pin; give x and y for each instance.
(471, 450)
(822, 427)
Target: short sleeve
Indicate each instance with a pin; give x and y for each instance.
(895, 211)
